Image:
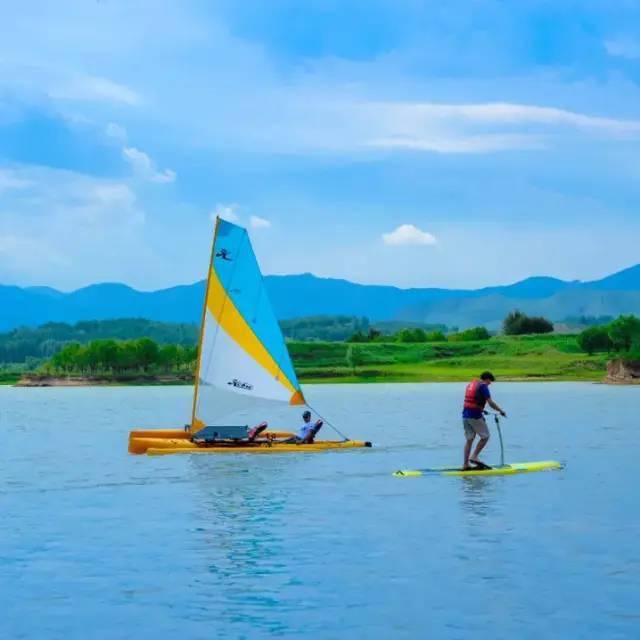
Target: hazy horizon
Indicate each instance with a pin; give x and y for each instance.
(425, 286)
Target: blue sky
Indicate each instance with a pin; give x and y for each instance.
(413, 143)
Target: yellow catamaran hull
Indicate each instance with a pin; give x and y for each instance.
(263, 447)
(143, 439)
(168, 441)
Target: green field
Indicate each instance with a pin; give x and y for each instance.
(548, 357)
(540, 357)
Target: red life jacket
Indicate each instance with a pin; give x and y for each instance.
(473, 399)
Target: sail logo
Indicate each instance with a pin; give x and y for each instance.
(238, 384)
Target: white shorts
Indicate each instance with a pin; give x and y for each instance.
(475, 427)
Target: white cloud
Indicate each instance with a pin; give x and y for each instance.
(9, 180)
(506, 113)
(408, 234)
(330, 105)
(101, 197)
(164, 177)
(297, 121)
(462, 128)
(69, 227)
(454, 143)
(139, 160)
(93, 89)
(259, 223)
(17, 252)
(623, 48)
(226, 211)
(230, 213)
(145, 167)
(116, 131)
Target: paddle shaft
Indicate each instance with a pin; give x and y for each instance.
(497, 419)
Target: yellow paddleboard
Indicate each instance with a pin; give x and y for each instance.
(506, 470)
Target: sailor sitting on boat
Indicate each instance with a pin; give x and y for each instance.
(309, 429)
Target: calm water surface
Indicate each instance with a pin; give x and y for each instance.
(97, 544)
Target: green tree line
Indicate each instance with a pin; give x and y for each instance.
(327, 328)
(417, 335)
(622, 336)
(24, 343)
(122, 357)
(516, 323)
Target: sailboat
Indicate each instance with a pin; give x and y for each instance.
(243, 363)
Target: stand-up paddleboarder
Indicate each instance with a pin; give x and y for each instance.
(476, 396)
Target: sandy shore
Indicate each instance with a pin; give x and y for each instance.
(93, 381)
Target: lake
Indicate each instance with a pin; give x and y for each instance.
(98, 544)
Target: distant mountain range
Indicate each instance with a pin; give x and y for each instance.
(307, 295)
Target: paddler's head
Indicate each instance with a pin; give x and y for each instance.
(487, 377)
(306, 416)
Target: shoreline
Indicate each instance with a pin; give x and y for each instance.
(34, 381)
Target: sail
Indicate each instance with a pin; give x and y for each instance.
(243, 357)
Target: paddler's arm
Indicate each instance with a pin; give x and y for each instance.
(495, 407)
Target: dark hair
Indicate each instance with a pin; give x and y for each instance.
(306, 413)
(487, 375)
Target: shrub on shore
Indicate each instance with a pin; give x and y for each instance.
(468, 335)
(518, 323)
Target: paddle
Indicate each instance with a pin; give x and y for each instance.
(497, 421)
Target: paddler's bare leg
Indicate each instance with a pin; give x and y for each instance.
(479, 447)
(467, 452)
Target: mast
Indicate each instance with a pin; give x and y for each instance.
(202, 321)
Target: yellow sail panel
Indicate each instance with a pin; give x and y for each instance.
(222, 308)
(234, 369)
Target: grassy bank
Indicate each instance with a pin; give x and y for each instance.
(546, 357)
(9, 377)
(549, 357)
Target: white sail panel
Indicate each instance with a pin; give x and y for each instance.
(227, 365)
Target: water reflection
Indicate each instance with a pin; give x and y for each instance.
(477, 496)
(240, 517)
